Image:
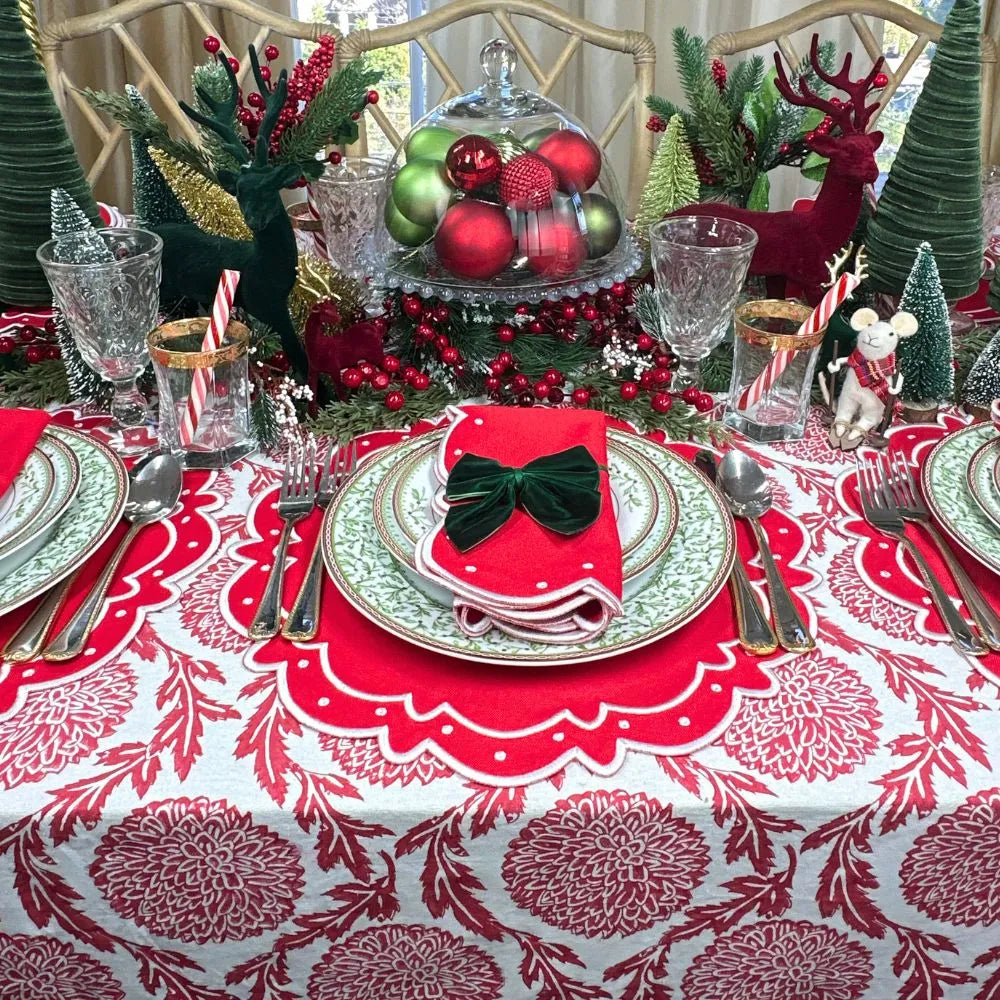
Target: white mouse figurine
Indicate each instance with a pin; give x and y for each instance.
(872, 382)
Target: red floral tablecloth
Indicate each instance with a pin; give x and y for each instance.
(170, 826)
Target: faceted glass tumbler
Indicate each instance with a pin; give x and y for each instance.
(221, 434)
(110, 308)
(773, 369)
(347, 197)
(699, 263)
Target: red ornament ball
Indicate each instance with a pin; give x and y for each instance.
(785, 148)
(704, 403)
(522, 309)
(569, 312)
(474, 240)
(394, 400)
(506, 333)
(646, 379)
(661, 376)
(391, 364)
(581, 396)
(629, 390)
(690, 394)
(441, 341)
(506, 359)
(265, 73)
(7, 345)
(352, 378)
(34, 353)
(525, 399)
(412, 306)
(279, 360)
(662, 360)
(211, 44)
(380, 381)
(661, 402)
(881, 80)
(421, 381)
(473, 162)
(497, 367)
(335, 156)
(589, 313)
(542, 389)
(527, 183)
(575, 159)
(356, 116)
(619, 289)
(52, 353)
(255, 100)
(560, 250)
(450, 355)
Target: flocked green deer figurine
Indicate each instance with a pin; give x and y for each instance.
(194, 260)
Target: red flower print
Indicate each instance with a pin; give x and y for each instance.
(44, 968)
(405, 962)
(201, 610)
(951, 872)
(605, 863)
(198, 871)
(820, 724)
(780, 960)
(60, 725)
(361, 758)
(852, 593)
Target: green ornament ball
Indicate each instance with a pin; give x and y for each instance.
(402, 230)
(421, 191)
(604, 224)
(534, 139)
(431, 142)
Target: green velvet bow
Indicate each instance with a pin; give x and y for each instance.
(560, 491)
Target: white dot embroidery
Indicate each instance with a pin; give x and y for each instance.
(716, 688)
(447, 730)
(885, 574)
(883, 545)
(322, 702)
(185, 493)
(684, 721)
(588, 565)
(926, 600)
(624, 724)
(90, 651)
(541, 585)
(30, 672)
(782, 531)
(470, 569)
(184, 520)
(457, 451)
(365, 443)
(500, 755)
(478, 421)
(192, 545)
(265, 568)
(120, 613)
(303, 663)
(558, 737)
(275, 532)
(157, 572)
(248, 600)
(381, 710)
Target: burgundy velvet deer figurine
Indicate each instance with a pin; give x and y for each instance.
(193, 260)
(794, 246)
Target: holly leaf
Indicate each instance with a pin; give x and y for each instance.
(760, 194)
(814, 167)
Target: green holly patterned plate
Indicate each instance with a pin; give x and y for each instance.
(690, 573)
(96, 509)
(944, 478)
(981, 478)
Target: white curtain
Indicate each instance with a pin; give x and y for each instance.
(593, 85)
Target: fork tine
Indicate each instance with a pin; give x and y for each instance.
(862, 485)
(286, 477)
(892, 481)
(900, 484)
(910, 481)
(324, 482)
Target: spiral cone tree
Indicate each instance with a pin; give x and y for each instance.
(36, 155)
(934, 188)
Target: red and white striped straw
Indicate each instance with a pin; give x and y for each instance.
(221, 308)
(836, 295)
(319, 236)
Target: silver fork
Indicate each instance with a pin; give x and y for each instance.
(881, 512)
(303, 621)
(295, 501)
(913, 508)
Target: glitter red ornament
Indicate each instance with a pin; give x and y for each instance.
(211, 44)
(575, 159)
(473, 162)
(474, 240)
(394, 400)
(527, 183)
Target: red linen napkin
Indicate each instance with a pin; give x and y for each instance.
(523, 571)
(21, 430)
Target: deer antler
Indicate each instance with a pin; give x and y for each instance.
(274, 101)
(222, 119)
(861, 264)
(850, 116)
(837, 261)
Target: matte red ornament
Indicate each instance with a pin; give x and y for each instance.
(394, 400)
(474, 240)
(527, 183)
(560, 250)
(575, 159)
(473, 162)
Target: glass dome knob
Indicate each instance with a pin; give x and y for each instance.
(498, 59)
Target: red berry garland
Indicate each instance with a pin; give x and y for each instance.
(661, 402)
(629, 390)
(394, 400)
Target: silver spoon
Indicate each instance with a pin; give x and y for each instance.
(153, 492)
(749, 495)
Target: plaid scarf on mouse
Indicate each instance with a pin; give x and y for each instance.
(873, 375)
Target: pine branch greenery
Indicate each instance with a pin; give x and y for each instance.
(647, 311)
(365, 411)
(744, 81)
(142, 121)
(152, 199)
(328, 117)
(672, 181)
(37, 385)
(977, 376)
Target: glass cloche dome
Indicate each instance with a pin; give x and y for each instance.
(499, 195)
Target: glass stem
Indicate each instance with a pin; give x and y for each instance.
(128, 405)
(686, 373)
